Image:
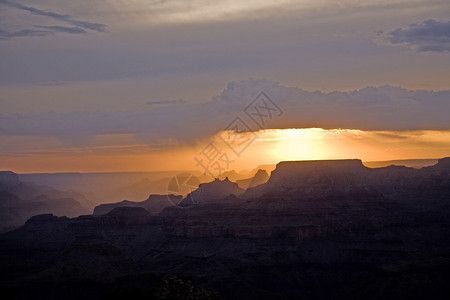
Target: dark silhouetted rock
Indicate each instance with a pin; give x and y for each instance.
(260, 177)
(212, 192)
(19, 201)
(154, 204)
(314, 230)
(8, 178)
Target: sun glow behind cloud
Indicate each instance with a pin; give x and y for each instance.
(121, 153)
(275, 145)
(295, 144)
(317, 143)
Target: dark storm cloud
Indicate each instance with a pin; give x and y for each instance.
(430, 35)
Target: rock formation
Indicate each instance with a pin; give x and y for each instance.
(154, 204)
(212, 192)
(20, 201)
(260, 177)
(315, 230)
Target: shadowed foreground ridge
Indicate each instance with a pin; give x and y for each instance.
(314, 230)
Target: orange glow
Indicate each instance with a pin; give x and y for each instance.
(317, 143)
(116, 153)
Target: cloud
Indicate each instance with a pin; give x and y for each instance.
(72, 30)
(383, 108)
(60, 17)
(430, 35)
(201, 11)
(78, 27)
(23, 33)
(41, 31)
(167, 102)
(54, 83)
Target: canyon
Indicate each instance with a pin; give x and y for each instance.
(314, 230)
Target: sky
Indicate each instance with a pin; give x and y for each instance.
(148, 85)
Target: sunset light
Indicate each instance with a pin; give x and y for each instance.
(222, 150)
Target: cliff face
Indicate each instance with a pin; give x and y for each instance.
(302, 172)
(309, 177)
(308, 166)
(443, 165)
(319, 178)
